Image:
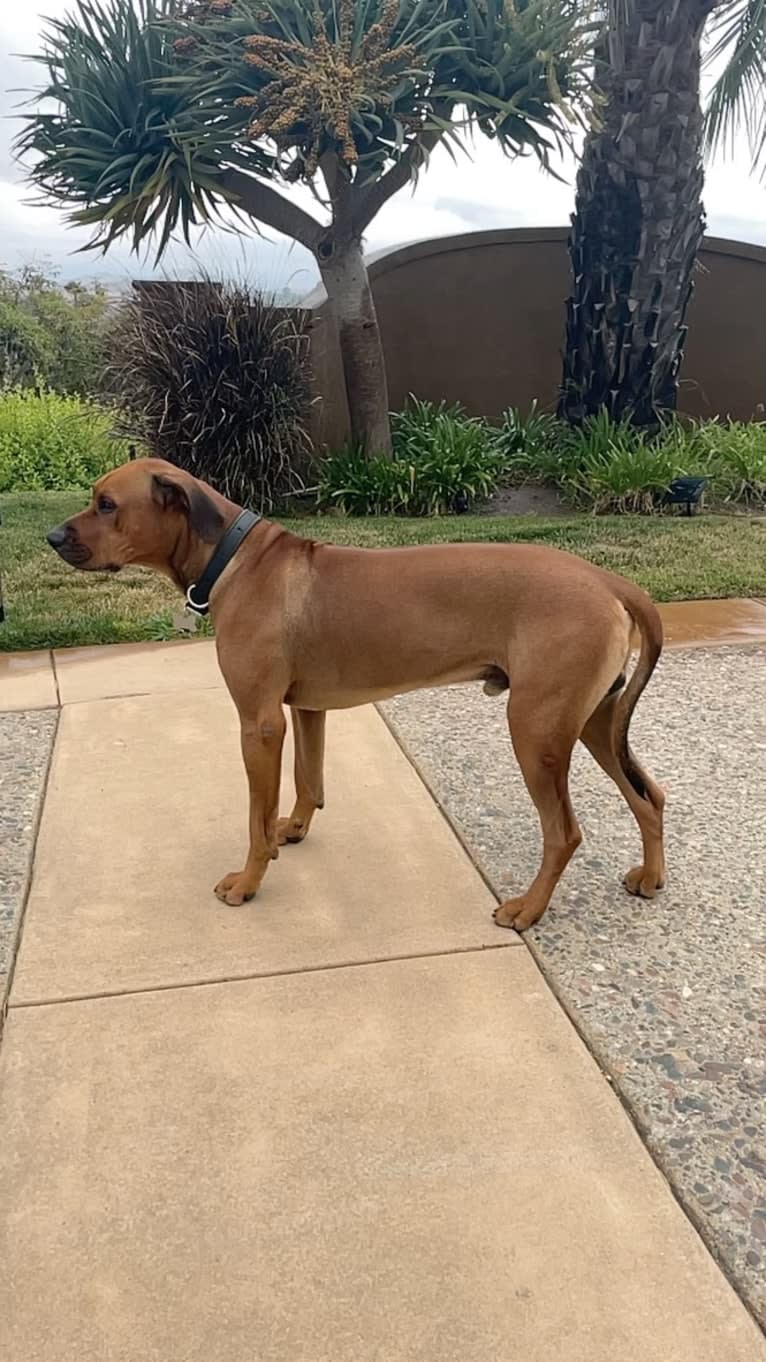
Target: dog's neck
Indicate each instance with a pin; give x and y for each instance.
(191, 554)
(189, 559)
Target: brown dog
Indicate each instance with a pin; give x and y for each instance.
(317, 627)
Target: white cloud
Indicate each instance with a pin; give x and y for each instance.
(486, 192)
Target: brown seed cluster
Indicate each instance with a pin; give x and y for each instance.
(205, 9)
(313, 92)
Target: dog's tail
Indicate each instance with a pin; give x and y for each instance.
(646, 618)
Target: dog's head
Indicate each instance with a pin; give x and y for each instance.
(137, 514)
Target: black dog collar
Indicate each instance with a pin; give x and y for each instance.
(198, 594)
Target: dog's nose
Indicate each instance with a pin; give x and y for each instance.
(57, 537)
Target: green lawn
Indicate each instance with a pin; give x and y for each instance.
(49, 605)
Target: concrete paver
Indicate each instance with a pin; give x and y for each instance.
(136, 669)
(147, 809)
(411, 1160)
(711, 623)
(27, 681)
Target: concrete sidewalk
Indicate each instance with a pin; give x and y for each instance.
(346, 1122)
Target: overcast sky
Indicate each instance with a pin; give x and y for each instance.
(487, 192)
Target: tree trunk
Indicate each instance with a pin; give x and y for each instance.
(349, 295)
(638, 220)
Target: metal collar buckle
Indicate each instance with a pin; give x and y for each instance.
(199, 608)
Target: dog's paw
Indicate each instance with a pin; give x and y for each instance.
(518, 914)
(290, 830)
(235, 889)
(641, 884)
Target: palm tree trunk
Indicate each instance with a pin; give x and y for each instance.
(349, 295)
(638, 219)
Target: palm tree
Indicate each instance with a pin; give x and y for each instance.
(156, 113)
(639, 217)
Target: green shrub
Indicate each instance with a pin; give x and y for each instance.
(51, 335)
(25, 353)
(536, 446)
(215, 378)
(429, 429)
(734, 453)
(614, 467)
(49, 442)
(609, 466)
(604, 465)
(443, 461)
(358, 485)
(75, 321)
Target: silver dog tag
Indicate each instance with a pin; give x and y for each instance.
(185, 622)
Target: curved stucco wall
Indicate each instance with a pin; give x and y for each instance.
(479, 319)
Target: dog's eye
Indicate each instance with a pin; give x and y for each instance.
(106, 505)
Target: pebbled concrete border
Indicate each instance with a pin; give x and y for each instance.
(26, 744)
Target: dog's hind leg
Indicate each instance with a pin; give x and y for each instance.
(643, 796)
(308, 733)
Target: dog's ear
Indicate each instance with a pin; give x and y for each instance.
(176, 494)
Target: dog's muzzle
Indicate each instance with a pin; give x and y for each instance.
(69, 546)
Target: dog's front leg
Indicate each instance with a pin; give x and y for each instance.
(262, 738)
